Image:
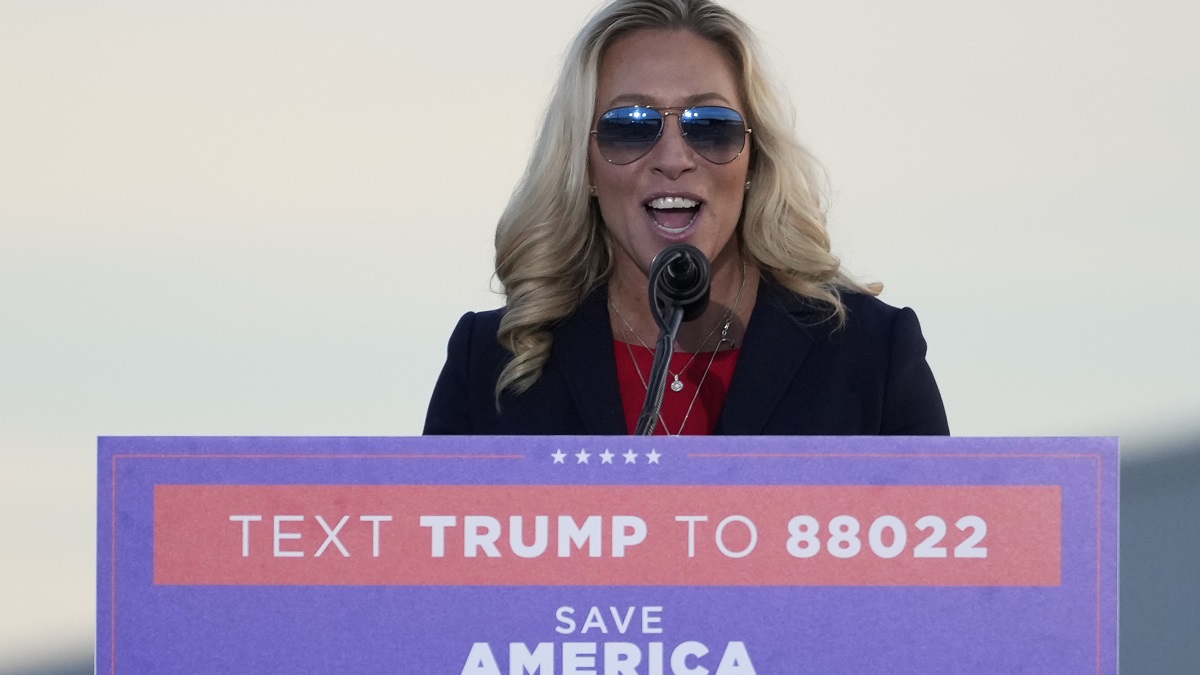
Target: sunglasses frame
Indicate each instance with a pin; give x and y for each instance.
(667, 112)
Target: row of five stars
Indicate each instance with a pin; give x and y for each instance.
(606, 457)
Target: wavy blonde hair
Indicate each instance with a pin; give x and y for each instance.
(552, 247)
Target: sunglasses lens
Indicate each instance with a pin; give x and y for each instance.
(716, 134)
(624, 135)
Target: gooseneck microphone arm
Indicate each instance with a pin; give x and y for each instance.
(657, 384)
(680, 277)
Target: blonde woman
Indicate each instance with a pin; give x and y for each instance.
(664, 129)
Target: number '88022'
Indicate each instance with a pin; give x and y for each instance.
(886, 537)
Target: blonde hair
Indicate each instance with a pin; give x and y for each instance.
(552, 248)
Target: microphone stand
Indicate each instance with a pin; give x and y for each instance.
(680, 277)
(663, 350)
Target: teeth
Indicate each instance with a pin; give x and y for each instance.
(673, 203)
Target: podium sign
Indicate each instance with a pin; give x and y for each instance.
(607, 555)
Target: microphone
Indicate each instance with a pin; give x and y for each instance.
(680, 278)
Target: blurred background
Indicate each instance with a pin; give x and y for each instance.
(264, 218)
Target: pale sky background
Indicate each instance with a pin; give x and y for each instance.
(264, 218)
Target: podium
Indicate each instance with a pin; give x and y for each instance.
(607, 555)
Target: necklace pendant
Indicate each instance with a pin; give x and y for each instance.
(677, 385)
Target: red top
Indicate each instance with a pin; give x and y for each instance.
(702, 418)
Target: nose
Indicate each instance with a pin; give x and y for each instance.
(672, 156)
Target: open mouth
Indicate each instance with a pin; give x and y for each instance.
(673, 214)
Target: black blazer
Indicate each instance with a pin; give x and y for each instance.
(798, 373)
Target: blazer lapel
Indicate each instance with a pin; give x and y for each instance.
(774, 346)
(583, 343)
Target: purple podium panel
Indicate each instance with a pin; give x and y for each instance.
(607, 555)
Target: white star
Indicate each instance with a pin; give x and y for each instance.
(606, 457)
(630, 457)
(581, 457)
(652, 456)
(559, 457)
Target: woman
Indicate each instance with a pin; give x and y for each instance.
(664, 129)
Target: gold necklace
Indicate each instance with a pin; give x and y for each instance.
(676, 382)
(726, 320)
(687, 413)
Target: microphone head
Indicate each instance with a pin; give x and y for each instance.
(680, 277)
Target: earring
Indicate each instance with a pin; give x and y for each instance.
(747, 186)
(592, 190)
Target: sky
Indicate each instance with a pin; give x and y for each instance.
(231, 218)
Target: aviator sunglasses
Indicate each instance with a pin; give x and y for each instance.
(626, 134)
